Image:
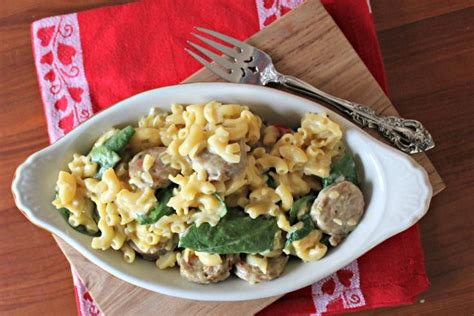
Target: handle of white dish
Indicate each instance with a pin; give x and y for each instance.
(28, 191)
(409, 199)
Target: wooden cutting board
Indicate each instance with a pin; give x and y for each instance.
(305, 43)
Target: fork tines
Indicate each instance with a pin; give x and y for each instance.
(224, 66)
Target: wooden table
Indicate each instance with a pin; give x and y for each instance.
(428, 46)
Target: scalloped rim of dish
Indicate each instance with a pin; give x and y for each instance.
(403, 203)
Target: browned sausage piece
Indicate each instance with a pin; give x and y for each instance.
(194, 270)
(159, 171)
(217, 168)
(338, 209)
(253, 274)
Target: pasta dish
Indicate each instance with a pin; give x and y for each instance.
(215, 190)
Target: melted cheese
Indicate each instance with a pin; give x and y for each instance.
(209, 259)
(259, 262)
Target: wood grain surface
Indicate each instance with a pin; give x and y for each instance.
(428, 51)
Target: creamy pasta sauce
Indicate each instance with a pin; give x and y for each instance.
(210, 186)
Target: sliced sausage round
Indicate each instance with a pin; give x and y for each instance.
(338, 209)
(217, 168)
(254, 274)
(159, 171)
(195, 271)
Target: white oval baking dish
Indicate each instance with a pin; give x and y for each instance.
(396, 189)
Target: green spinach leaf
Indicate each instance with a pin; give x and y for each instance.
(302, 205)
(163, 196)
(235, 233)
(344, 169)
(308, 227)
(105, 157)
(119, 140)
(81, 228)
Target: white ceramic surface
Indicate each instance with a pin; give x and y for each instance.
(396, 189)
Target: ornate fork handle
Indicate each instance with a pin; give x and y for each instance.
(408, 135)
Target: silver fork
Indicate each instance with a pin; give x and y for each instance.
(244, 63)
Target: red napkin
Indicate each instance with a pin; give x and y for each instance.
(90, 60)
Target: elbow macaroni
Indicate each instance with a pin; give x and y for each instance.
(291, 161)
(309, 248)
